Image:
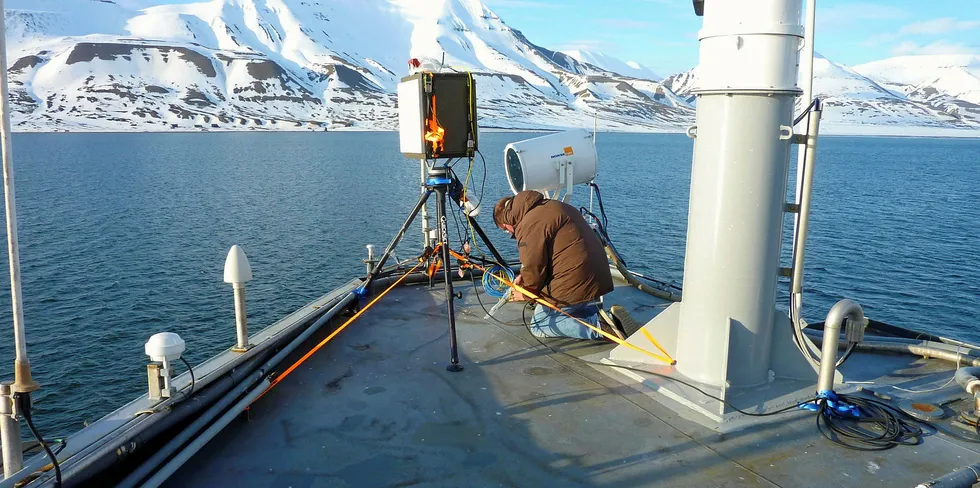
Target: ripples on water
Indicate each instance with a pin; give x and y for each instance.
(124, 235)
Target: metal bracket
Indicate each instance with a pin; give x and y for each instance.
(566, 178)
(6, 400)
(800, 138)
(786, 272)
(692, 132)
(791, 207)
(154, 373)
(785, 132)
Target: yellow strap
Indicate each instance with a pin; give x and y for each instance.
(665, 358)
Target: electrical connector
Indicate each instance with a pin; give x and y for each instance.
(854, 332)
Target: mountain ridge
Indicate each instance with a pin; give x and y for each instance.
(146, 65)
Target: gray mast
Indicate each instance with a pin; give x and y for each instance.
(722, 332)
(746, 92)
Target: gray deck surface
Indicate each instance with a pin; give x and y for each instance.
(377, 408)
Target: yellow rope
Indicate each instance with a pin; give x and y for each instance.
(665, 358)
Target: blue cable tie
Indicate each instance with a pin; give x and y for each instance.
(811, 406)
(361, 292)
(834, 403)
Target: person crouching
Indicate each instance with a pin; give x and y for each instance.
(564, 263)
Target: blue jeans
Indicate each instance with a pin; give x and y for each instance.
(549, 323)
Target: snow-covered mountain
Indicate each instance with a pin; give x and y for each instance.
(313, 64)
(955, 75)
(881, 97)
(307, 64)
(948, 82)
(610, 63)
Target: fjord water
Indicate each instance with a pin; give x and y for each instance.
(125, 235)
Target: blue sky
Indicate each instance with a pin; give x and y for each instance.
(662, 34)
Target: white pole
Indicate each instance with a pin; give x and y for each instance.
(425, 211)
(23, 383)
(237, 272)
(241, 318)
(10, 444)
(806, 84)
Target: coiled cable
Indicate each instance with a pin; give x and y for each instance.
(492, 282)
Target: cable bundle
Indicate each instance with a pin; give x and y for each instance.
(864, 424)
(492, 282)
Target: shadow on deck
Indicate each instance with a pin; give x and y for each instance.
(378, 408)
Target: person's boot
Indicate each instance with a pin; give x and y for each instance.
(609, 325)
(624, 320)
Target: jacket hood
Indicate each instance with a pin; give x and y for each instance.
(522, 203)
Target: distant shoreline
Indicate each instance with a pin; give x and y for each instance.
(831, 131)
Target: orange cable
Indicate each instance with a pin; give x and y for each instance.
(330, 337)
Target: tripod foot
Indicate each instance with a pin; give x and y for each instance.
(454, 368)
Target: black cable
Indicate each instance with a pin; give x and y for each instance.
(847, 354)
(24, 403)
(476, 290)
(658, 375)
(806, 111)
(603, 233)
(602, 209)
(483, 186)
(62, 443)
(878, 427)
(191, 371)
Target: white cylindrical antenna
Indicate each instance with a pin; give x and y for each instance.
(237, 272)
(370, 262)
(23, 383)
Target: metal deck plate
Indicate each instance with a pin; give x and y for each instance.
(378, 408)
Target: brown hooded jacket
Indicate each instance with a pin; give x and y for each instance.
(562, 257)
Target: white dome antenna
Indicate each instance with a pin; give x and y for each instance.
(237, 272)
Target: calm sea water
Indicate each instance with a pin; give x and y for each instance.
(124, 235)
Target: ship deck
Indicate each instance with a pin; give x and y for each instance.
(377, 407)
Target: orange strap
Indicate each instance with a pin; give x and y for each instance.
(665, 358)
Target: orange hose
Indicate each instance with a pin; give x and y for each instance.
(333, 334)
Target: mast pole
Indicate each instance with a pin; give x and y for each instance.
(747, 86)
(806, 84)
(23, 383)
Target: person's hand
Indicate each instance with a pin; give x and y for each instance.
(516, 295)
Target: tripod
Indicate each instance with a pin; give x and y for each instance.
(444, 184)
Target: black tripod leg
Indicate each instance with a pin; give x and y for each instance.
(454, 365)
(456, 187)
(486, 241)
(398, 237)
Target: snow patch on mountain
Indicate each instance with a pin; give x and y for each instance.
(614, 65)
(948, 82)
(859, 104)
(124, 65)
(296, 64)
